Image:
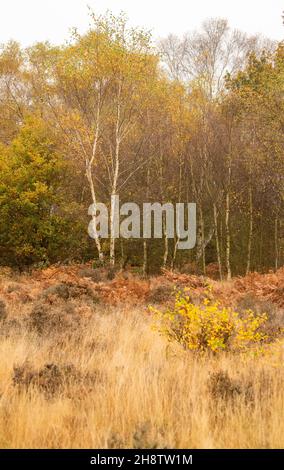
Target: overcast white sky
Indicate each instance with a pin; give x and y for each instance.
(29, 21)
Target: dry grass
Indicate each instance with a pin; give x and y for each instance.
(110, 380)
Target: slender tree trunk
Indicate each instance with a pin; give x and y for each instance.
(228, 214)
(217, 240)
(176, 240)
(89, 175)
(122, 262)
(166, 240)
(145, 241)
(115, 180)
(276, 243)
(250, 230)
(199, 236)
(97, 239)
(260, 262)
(221, 236)
(112, 229)
(145, 257)
(201, 243)
(166, 245)
(228, 236)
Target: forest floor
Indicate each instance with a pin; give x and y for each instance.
(81, 365)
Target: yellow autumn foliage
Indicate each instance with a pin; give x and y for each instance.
(208, 326)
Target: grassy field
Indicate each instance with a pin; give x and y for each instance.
(80, 368)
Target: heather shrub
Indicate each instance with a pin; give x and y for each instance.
(67, 291)
(111, 273)
(94, 274)
(160, 294)
(3, 310)
(45, 319)
(222, 386)
(50, 379)
(146, 436)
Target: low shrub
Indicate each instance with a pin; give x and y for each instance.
(160, 294)
(3, 310)
(45, 319)
(69, 290)
(228, 392)
(94, 274)
(60, 290)
(53, 379)
(146, 436)
(50, 379)
(111, 273)
(222, 386)
(209, 326)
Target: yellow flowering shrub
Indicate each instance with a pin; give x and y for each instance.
(209, 326)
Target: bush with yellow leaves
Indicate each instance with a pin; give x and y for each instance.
(209, 326)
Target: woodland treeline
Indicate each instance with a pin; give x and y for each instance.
(192, 119)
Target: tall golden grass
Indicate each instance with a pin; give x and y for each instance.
(137, 390)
